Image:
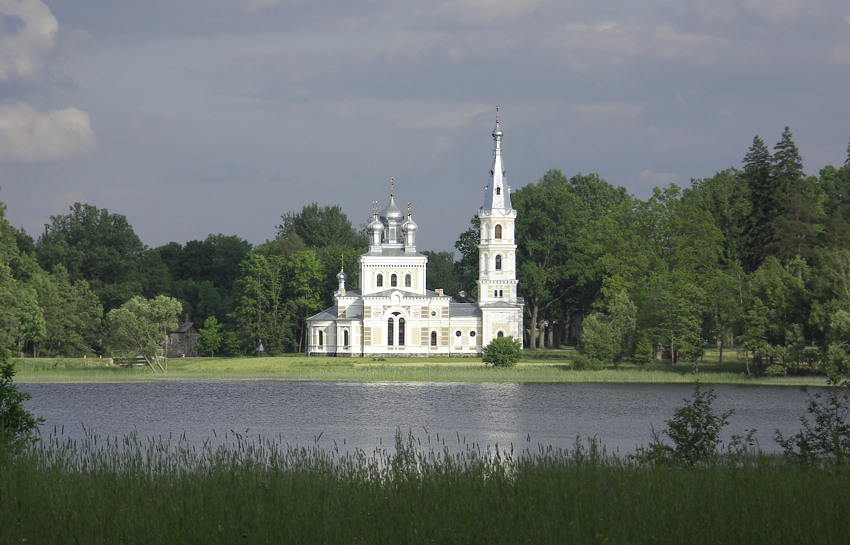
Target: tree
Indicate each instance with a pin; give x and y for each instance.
(303, 280)
(140, 327)
(210, 337)
(103, 249)
(260, 314)
(467, 265)
(321, 226)
(758, 232)
(502, 352)
(442, 272)
(17, 425)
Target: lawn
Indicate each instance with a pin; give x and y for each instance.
(536, 366)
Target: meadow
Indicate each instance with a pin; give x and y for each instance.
(537, 366)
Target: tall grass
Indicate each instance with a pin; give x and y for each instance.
(258, 491)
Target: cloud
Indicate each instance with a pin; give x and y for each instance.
(27, 34)
(30, 136)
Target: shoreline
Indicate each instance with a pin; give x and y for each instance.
(301, 368)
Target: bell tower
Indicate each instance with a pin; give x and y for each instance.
(497, 283)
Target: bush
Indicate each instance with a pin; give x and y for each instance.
(775, 370)
(695, 432)
(502, 352)
(828, 437)
(580, 362)
(17, 425)
(643, 350)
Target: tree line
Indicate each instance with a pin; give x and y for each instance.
(754, 259)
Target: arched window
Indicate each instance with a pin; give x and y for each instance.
(394, 280)
(498, 263)
(500, 334)
(345, 338)
(498, 191)
(407, 280)
(321, 337)
(390, 331)
(498, 231)
(401, 331)
(433, 338)
(380, 280)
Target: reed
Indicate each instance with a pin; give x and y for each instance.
(258, 490)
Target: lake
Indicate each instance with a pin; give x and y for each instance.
(366, 415)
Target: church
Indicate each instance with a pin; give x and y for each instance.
(393, 314)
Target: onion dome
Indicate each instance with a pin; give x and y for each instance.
(375, 226)
(392, 212)
(409, 226)
(341, 276)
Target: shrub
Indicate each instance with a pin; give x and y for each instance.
(17, 425)
(643, 350)
(694, 430)
(828, 437)
(502, 352)
(580, 362)
(775, 370)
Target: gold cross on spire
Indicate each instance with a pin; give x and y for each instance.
(392, 186)
(497, 113)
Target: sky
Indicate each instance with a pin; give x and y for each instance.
(198, 117)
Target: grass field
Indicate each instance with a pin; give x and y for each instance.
(537, 366)
(128, 491)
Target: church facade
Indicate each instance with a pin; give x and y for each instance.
(393, 314)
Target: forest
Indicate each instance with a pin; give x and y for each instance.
(755, 260)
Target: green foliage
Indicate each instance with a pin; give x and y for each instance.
(694, 430)
(598, 339)
(103, 249)
(210, 338)
(17, 425)
(581, 362)
(321, 226)
(502, 352)
(827, 438)
(140, 327)
(643, 350)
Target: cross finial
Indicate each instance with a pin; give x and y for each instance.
(341, 262)
(392, 186)
(497, 113)
(409, 209)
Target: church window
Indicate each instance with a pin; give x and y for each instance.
(401, 331)
(498, 231)
(458, 333)
(345, 338)
(433, 338)
(321, 337)
(472, 333)
(390, 332)
(394, 280)
(498, 263)
(498, 191)
(500, 334)
(407, 280)
(380, 280)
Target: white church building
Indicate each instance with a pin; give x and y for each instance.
(393, 314)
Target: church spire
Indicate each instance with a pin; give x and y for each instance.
(497, 193)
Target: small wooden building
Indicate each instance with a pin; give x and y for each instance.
(183, 340)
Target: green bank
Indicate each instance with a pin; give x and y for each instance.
(537, 366)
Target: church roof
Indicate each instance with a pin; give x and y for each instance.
(461, 310)
(329, 313)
